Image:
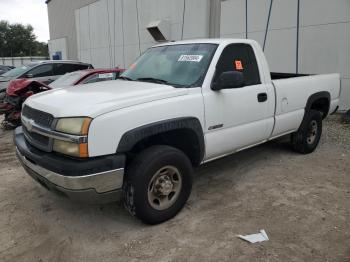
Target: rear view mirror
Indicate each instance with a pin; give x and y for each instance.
(229, 79)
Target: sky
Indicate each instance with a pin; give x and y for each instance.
(32, 12)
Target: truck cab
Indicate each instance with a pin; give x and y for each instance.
(179, 105)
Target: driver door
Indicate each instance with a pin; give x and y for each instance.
(236, 118)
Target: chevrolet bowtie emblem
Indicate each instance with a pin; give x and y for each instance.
(29, 124)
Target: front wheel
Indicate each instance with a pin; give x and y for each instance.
(158, 184)
(306, 139)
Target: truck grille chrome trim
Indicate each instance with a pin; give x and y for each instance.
(33, 127)
(37, 140)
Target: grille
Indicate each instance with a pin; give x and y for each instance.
(37, 140)
(39, 117)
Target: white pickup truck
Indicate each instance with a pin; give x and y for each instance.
(181, 104)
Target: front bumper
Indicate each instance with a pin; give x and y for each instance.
(94, 180)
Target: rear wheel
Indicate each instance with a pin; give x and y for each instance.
(158, 184)
(306, 139)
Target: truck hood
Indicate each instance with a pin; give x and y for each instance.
(99, 98)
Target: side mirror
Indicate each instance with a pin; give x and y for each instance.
(29, 75)
(229, 79)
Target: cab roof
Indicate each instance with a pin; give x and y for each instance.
(208, 41)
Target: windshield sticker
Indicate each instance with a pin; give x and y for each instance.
(238, 64)
(105, 75)
(190, 58)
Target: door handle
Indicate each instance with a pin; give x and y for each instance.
(262, 97)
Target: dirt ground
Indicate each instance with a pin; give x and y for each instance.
(302, 201)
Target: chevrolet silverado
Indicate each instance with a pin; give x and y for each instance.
(179, 105)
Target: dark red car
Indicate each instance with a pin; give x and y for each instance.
(86, 77)
(20, 89)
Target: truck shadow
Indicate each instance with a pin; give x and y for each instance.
(246, 159)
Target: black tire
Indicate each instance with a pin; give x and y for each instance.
(306, 139)
(142, 171)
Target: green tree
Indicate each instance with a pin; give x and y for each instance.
(19, 40)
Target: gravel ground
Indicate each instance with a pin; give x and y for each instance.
(302, 201)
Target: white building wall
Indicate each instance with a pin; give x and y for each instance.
(325, 41)
(113, 32)
(58, 45)
(62, 22)
(324, 36)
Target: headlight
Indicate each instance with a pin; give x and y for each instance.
(71, 149)
(74, 125)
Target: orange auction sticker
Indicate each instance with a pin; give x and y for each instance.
(238, 64)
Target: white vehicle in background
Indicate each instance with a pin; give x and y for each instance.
(181, 104)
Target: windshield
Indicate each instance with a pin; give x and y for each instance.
(18, 70)
(178, 65)
(68, 79)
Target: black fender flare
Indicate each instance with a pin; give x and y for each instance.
(133, 136)
(316, 96)
(312, 99)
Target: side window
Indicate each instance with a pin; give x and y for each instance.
(239, 57)
(42, 70)
(77, 67)
(61, 69)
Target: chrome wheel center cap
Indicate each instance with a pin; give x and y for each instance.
(164, 186)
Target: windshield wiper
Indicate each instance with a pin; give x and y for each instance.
(152, 80)
(125, 78)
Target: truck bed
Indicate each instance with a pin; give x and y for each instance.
(292, 94)
(277, 75)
